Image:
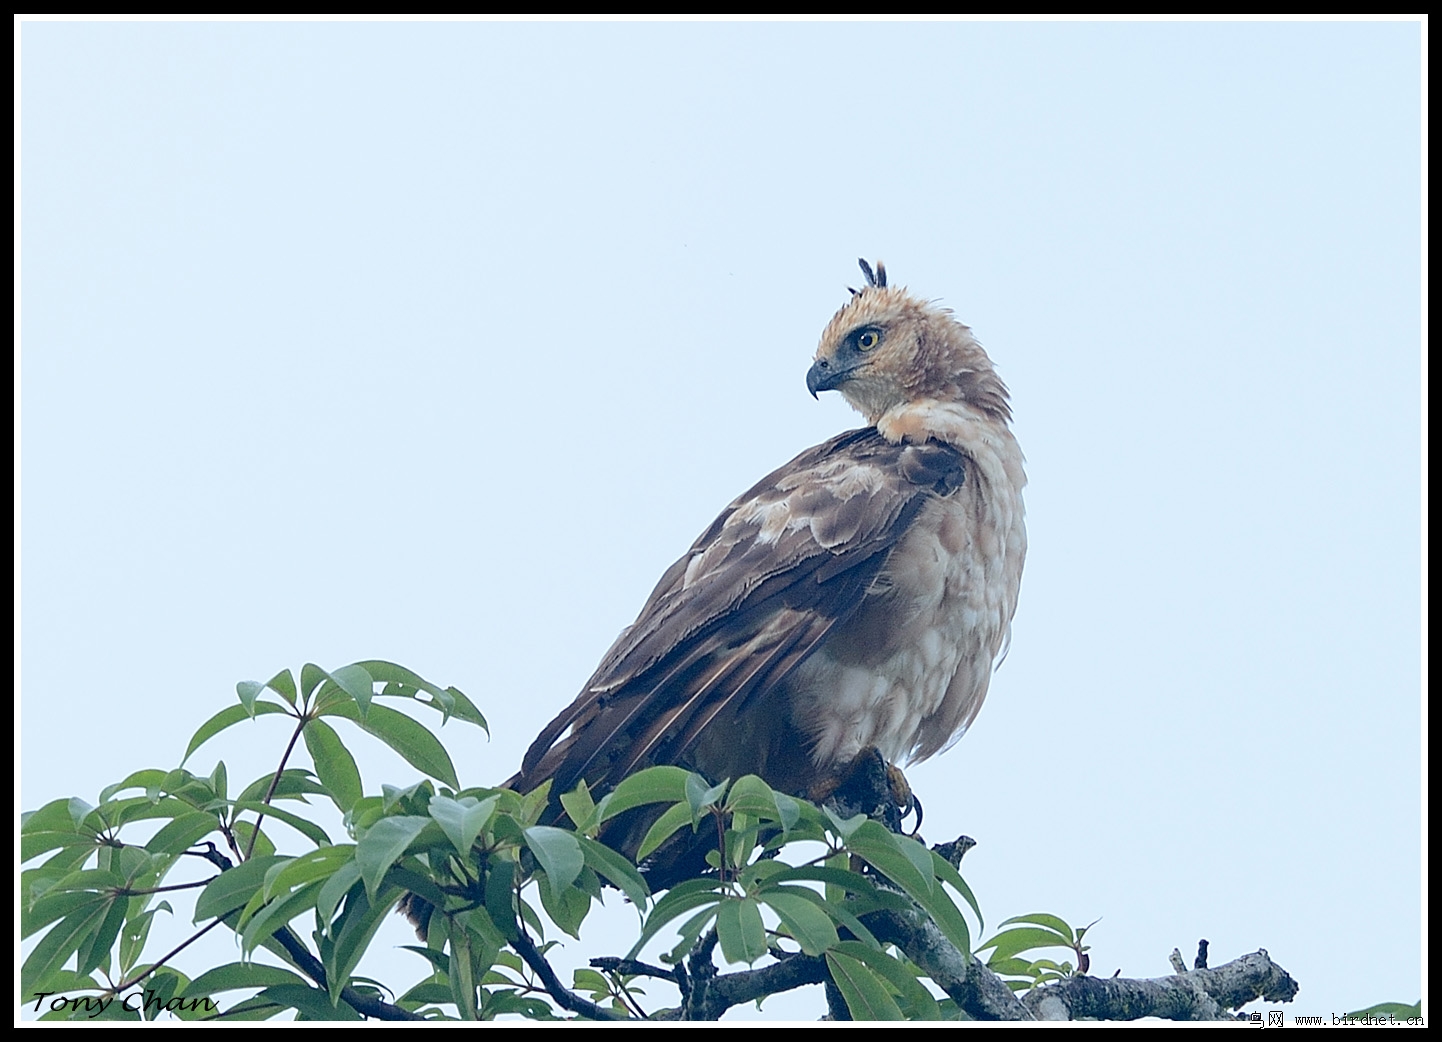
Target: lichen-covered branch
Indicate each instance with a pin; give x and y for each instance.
(1203, 994)
(964, 978)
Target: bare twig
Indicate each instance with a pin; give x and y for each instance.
(613, 964)
(565, 998)
(301, 721)
(366, 1005)
(166, 957)
(128, 892)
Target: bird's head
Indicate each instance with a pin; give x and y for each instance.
(886, 348)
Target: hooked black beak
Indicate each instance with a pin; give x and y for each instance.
(825, 375)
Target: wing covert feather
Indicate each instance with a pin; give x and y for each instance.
(757, 593)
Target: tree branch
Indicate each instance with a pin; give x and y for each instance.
(274, 781)
(1204, 994)
(964, 978)
(615, 964)
(565, 998)
(366, 1005)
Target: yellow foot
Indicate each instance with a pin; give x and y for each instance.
(871, 786)
(902, 796)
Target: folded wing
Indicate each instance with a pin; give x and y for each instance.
(782, 568)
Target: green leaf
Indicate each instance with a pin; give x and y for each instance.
(751, 795)
(218, 780)
(334, 891)
(843, 912)
(740, 930)
(182, 833)
(449, 701)
(232, 889)
(478, 922)
(79, 810)
(91, 879)
(34, 882)
(844, 827)
(559, 854)
(605, 861)
(260, 847)
(812, 927)
(701, 795)
(136, 933)
(899, 858)
(148, 780)
(1398, 1010)
(307, 828)
(225, 718)
(501, 898)
(383, 844)
(53, 815)
(334, 765)
(249, 691)
(356, 682)
(62, 941)
(313, 1003)
(95, 949)
(788, 809)
(567, 907)
(272, 916)
(687, 935)
(872, 841)
(439, 960)
(462, 820)
(919, 1004)
(321, 863)
(234, 976)
(676, 818)
(679, 899)
(534, 803)
(947, 873)
(580, 807)
(1010, 967)
(462, 976)
(416, 745)
(866, 995)
(60, 982)
(295, 783)
(311, 677)
(1043, 919)
(283, 684)
(361, 921)
(62, 900)
(653, 785)
(1013, 942)
(33, 844)
(843, 878)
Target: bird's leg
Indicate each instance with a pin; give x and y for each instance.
(871, 786)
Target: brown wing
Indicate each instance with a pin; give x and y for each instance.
(754, 596)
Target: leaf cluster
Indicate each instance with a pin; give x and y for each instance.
(788, 880)
(1033, 932)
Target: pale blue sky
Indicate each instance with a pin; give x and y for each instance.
(439, 342)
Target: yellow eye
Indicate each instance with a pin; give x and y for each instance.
(867, 340)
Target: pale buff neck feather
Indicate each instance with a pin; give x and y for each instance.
(975, 431)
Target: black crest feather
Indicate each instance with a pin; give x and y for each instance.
(873, 278)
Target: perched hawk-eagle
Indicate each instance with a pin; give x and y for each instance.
(852, 602)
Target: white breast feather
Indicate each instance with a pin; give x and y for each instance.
(956, 576)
